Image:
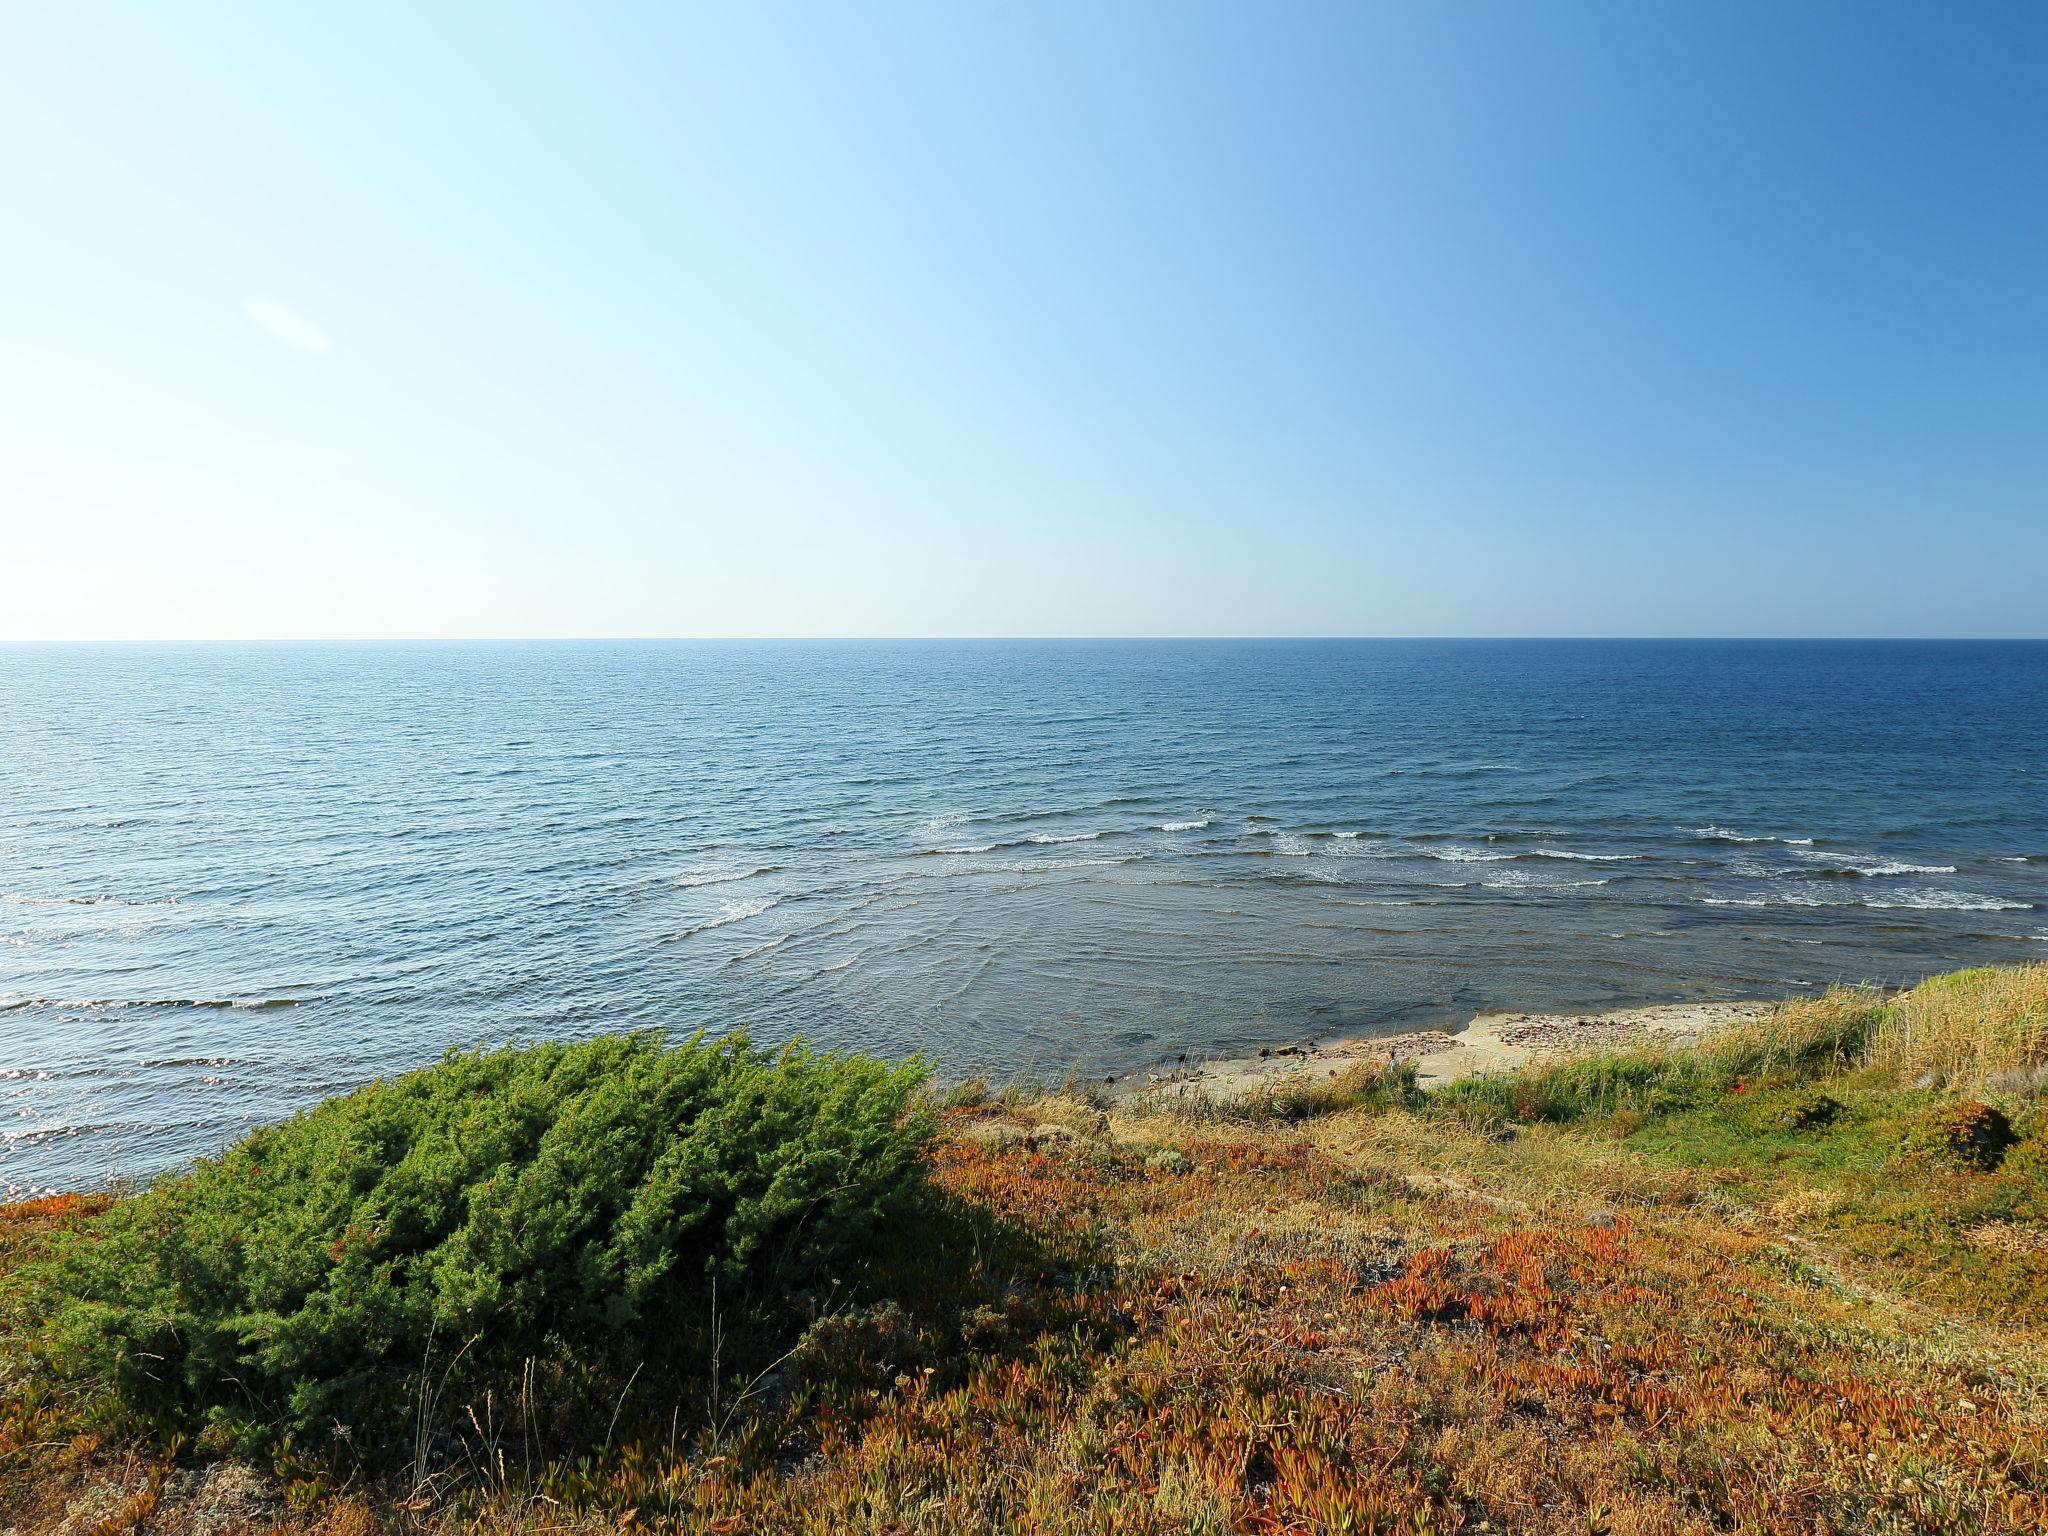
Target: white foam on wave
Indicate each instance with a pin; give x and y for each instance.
(1028, 866)
(1588, 858)
(970, 848)
(733, 912)
(1952, 901)
(23, 899)
(1456, 855)
(42, 1135)
(1763, 901)
(1922, 900)
(690, 880)
(1858, 865)
(1723, 835)
(1185, 826)
(244, 1004)
(1065, 837)
(1531, 880)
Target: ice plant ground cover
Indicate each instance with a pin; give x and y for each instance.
(1790, 1280)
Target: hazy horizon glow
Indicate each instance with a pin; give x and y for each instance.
(1587, 320)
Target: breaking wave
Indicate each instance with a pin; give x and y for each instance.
(1909, 900)
(1723, 835)
(731, 912)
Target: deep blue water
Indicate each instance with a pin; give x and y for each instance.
(235, 878)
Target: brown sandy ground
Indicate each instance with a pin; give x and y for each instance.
(1496, 1040)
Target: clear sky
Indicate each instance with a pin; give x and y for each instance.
(1446, 318)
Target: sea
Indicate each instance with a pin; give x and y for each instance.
(236, 878)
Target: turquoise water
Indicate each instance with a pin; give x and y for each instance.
(235, 878)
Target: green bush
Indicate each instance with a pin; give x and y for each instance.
(1806, 1109)
(441, 1228)
(1969, 1134)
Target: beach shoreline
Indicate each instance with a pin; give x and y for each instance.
(1491, 1041)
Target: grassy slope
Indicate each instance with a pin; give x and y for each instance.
(1648, 1305)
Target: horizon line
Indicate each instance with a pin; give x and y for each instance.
(943, 639)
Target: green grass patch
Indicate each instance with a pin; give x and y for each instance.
(1943, 1228)
(1801, 1042)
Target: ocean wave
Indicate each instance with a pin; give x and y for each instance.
(245, 1004)
(696, 878)
(1458, 854)
(44, 1135)
(23, 899)
(1037, 840)
(1840, 867)
(732, 912)
(1926, 900)
(1532, 880)
(1028, 866)
(1765, 901)
(1184, 826)
(1951, 901)
(1723, 835)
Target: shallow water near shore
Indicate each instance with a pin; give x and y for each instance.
(233, 879)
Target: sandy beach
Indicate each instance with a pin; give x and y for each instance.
(1495, 1040)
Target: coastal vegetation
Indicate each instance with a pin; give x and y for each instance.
(1790, 1278)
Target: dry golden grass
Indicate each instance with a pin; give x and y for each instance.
(1969, 1028)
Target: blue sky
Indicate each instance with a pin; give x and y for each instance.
(426, 320)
